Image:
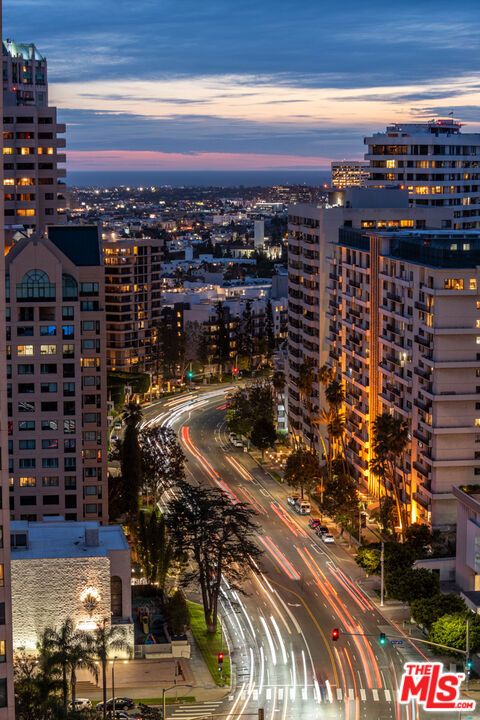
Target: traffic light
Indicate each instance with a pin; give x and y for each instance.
(190, 374)
(335, 634)
(469, 664)
(235, 370)
(220, 661)
(383, 639)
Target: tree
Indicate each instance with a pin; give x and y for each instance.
(171, 343)
(66, 649)
(269, 329)
(426, 611)
(37, 689)
(302, 470)
(419, 537)
(176, 610)
(451, 630)
(410, 584)
(369, 559)
(249, 404)
(340, 497)
(154, 549)
(218, 536)
(108, 639)
(263, 434)
(163, 461)
(131, 461)
(246, 346)
(221, 335)
(389, 442)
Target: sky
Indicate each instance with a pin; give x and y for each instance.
(247, 84)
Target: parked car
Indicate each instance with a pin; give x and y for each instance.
(121, 703)
(114, 438)
(314, 523)
(327, 538)
(117, 425)
(322, 530)
(303, 507)
(293, 499)
(81, 704)
(235, 440)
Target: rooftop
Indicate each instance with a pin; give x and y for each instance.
(80, 243)
(27, 51)
(57, 538)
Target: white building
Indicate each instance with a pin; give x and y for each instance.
(61, 570)
(437, 163)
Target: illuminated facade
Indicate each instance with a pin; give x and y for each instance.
(349, 173)
(437, 163)
(56, 374)
(405, 339)
(34, 191)
(133, 300)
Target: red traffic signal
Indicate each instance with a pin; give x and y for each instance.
(335, 634)
(220, 658)
(235, 370)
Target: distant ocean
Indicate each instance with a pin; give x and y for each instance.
(198, 178)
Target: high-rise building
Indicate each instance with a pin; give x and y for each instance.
(313, 233)
(349, 173)
(259, 234)
(34, 191)
(133, 302)
(404, 338)
(437, 163)
(56, 373)
(7, 698)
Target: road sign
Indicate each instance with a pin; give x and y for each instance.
(396, 642)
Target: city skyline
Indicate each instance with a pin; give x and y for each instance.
(245, 87)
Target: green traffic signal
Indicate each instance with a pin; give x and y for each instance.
(190, 374)
(383, 639)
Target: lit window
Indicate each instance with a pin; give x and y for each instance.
(8, 151)
(8, 181)
(466, 246)
(48, 349)
(28, 482)
(29, 212)
(472, 284)
(477, 324)
(453, 284)
(454, 246)
(477, 422)
(24, 350)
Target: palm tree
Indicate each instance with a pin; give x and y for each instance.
(132, 414)
(107, 639)
(66, 649)
(389, 442)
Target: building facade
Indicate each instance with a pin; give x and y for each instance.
(437, 163)
(7, 697)
(33, 185)
(349, 173)
(56, 370)
(133, 302)
(404, 338)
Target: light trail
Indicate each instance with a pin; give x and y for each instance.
(293, 689)
(280, 639)
(274, 703)
(279, 557)
(355, 687)
(252, 501)
(239, 468)
(285, 519)
(304, 662)
(269, 640)
(262, 670)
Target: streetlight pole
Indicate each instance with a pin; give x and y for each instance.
(113, 686)
(164, 702)
(382, 574)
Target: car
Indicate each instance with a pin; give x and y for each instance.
(293, 499)
(235, 440)
(303, 507)
(322, 530)
(114, 438)
(117, 425)
(314, 522)
(121, 703)
(327, 538)
(81, 704)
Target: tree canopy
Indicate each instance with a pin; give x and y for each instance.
(426, 611)
(302, 470)
(451, 630)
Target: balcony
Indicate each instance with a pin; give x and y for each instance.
(421, 469)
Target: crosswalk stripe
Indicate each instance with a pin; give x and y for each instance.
(339, 694)
(351, 694)
(375, 695)
(280, 693)
(268, 693)
(255, 694)
(388, 696)
(304, 694)
(363, 694)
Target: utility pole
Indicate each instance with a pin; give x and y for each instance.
(467, 656)
(382, 574)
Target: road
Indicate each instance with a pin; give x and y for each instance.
(285, 659)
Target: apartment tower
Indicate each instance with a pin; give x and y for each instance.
(56, 374)
(349, 173)
(437, 163)
(34, 190)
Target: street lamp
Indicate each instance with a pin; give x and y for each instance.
(164, 692)
(113, 685)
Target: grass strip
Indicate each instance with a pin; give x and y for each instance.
(209, 644)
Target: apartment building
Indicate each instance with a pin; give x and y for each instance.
(132, 302)
(34, 190)
(349, 173)
(437, 163)
(7, 697)
(313, 233)
(56, 370)
(404, 337)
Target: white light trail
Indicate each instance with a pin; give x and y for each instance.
(262, 670)
(280, 639)
(294, 676)
(269, 639)
(304, 671)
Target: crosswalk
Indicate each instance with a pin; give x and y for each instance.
(375, 694)
(194, 710)
(308, 693)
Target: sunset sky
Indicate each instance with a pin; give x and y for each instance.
(218, 84)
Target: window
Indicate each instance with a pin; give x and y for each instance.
(71, 501)
(90, 381)
(28, 500)
(89, 288)
(2, 651)
(90, 509)
(48, 368)
(25, 406)
(69, 427)
(27, 463)
(90, 417)
(50, 444)
(23, 350)
(51, 500)
(26, 444)
(90, 490)
(89, 344)
(477, 422)
(88, 325)
(27, 482)
(48, 349)
(49, 406)
(116, 596)
(35, 285)
(68, 351)
(69, 389)
(50, 481)
(68, 332)
(2, 613)
(70, 482)
(48, 387)
(68, 370)
(69, 288)
(68, 312)
(25, 369)
(91, 436)
(49, 425)
(24, 425)
(48, 330)
(2, 576)
(478, 339)
(26, 388)
(50, 463)
(69, 407)
(89, 305)
(46, 314)
(453, 284)
(472, 284)
(70, 445)
(69, 463)
(90, 472)
(25, 331)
